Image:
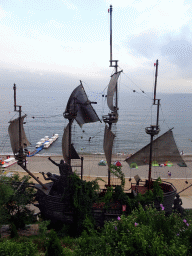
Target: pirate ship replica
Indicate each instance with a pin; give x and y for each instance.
(112, 102)
(49, 195)
(159, 151)
(79, 109)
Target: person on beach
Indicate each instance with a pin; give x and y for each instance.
(169, 174)
(64, 168)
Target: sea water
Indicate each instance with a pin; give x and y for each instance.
(45, 107)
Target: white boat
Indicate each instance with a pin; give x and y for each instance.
(55, 137)
(51, 141)
(39, 144)
(47, 144)
(8, 162)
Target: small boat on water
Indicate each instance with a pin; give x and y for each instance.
(46, 141)
(43, 144)
(8, 162)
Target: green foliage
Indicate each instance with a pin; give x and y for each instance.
(81, 195)
(6, 191)
(64, 230)
(150, 196)
(117, 195)
(67, 252)
(157, 190)
(88, 225)
(108, 197)
(116, 170)
(43, 227)
(14, 248)
(144, 232)
(122, 197)
(53, 246)
(14, 233)
(39, 241)
(16, 204)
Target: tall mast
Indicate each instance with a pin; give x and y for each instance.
(113, 63)
(18, 109)
(110, 10)
(21, 156)
(112, 117)
(156, 74)
(14, 89)
(153, 129)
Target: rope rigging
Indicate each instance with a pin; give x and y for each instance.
(143, 92)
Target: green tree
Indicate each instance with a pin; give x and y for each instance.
(6, 191)
(16, 194)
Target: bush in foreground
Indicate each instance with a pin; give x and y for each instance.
(144, 232)
(15, 196)
(53, 246)
(10, 248)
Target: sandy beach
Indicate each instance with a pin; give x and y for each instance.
(91, 170)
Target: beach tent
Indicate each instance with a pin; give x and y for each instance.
(102, 163)
(118, 164)
(133, 166)
(155, 163)
(168, 163)
(183, 164)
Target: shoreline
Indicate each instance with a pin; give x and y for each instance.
(179, 183)
(185, 155)
(41, 163)
(92, 170)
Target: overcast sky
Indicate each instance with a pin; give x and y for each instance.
(68, 40)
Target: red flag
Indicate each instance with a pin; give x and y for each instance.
(154, 64)
(108, 10)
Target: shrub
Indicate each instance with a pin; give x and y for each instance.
(53, 246)
(43, 227)
(14, 233)
(67, 252)
(16, 196)
(13, 248)
(6, 191)
(116, 170)
(144, 232)
(80, 195)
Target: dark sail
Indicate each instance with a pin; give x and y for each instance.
(65, 146)
(14, 135)
(79, 105)
(108, 144)
(164, 149)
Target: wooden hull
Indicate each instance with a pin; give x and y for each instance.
(169, 193)
(52, 207)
